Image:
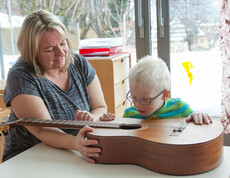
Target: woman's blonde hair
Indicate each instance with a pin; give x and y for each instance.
(150, 72)
(31, 31)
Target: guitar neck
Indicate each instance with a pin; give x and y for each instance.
(68, 124)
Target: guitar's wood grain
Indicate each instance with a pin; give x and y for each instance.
(197, 149)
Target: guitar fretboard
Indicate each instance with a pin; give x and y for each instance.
(66, 123)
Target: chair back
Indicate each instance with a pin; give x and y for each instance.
(4, 113)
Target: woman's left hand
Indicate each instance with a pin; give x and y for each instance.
(81, 115)
(107, 117)
(199, 118)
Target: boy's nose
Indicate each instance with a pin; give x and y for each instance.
(138, 104)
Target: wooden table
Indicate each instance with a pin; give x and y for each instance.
(45, 161)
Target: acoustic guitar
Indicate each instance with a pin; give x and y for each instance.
(169, 146)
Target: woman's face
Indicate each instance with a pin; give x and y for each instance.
(53, 49)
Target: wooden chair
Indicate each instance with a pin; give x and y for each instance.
(4, 113)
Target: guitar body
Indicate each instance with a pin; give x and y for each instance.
(195, 150)
(168, 146)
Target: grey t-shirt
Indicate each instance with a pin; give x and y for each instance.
(61, 105)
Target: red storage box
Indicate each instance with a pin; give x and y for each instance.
(100, 47)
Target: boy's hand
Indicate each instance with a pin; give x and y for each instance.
(199, 118)
(107, 117)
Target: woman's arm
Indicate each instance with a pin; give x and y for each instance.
(30, 106)
(97, 101)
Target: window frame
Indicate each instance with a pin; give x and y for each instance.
(143, 45)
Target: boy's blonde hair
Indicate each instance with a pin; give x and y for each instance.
(31, 31)
(150, 72)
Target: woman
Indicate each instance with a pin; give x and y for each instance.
(48, 81)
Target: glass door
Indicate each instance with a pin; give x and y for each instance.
(195, 60)
(186, 36)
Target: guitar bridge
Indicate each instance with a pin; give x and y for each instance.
(176, 131)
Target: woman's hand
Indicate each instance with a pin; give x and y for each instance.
(107, 117)
(83, 145)
(81, 115)
(199, 118)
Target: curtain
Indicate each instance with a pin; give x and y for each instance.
(225, 59)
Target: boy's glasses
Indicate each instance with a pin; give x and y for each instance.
(142, 101)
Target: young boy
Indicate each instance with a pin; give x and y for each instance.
(149, 82)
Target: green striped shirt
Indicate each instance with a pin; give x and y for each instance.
(173, 108)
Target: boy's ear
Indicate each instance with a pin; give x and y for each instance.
(166, 95)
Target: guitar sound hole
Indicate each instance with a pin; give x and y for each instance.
(130, 126)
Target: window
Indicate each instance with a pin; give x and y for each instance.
(196, 66)
(84, 19)
(184, 33)
(188, 41)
